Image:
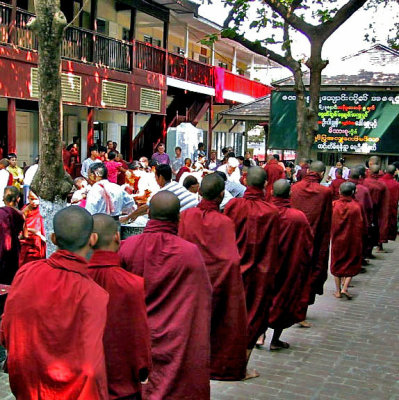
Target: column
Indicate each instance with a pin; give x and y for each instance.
(234, 64)
(165, 34)
(13, 22)
(130, 127)
(213, 55)
(186, 43)
(252, 70)
(90, 128)
(12, 126)
(210, 123)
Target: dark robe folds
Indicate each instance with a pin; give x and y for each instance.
(334, 186)
(178, 298)
(315, 201)
(52, 328)
(274, 172)
(393, 187)
(214, 235)
(257, 230)
(293, 281)
(127, 336)
(347, 229)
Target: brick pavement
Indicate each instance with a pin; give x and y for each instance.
(352, 351)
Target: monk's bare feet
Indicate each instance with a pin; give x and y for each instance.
(278, 345)
(337, 295)
(305, 324)
(346, 294)
(250, 374)
(261, 340)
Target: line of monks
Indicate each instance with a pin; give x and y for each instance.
(160, 314)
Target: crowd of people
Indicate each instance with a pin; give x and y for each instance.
(229, 250)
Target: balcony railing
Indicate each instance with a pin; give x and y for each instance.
(5, 19)
(243, 85)
(149, 58)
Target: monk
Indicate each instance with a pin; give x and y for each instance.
(315, 201)
(301, 173)
(127, 336)
(33, 244)
(54, 319)
(291, 299)
(393, 188)
(380, 197)
(178, 299)
(346, 239)
(274, 172)
(257, 230)
(11, 225)
(336, 183)
(215, 237)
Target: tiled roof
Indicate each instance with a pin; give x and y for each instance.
(257, 110)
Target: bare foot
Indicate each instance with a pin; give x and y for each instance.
(305, 324)
(278, 345)
(250, 374)
(337, 295)
(347, 295)
(261, 340)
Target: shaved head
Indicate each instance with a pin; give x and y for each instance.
(106, 228)
(165, 206)
(347, 189)
(391, 169)
(318, 166)
(270, 157)
(362, 170)
(282, 188)
(4, 162)
(355, 173)
(73, 227)
(256, 177)
(374, 160)
(375, 168)
(212, 186)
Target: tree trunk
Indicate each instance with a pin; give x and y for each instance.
(51, 183)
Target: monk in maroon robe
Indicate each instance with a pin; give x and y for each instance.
(293, 281)
(303, 163)
(11, 225)
(393, 188)
(315, 201)
(178, 298)
(215, 237)
(380, 196)
(257, 230)
(346, 239)
(274, 172)
(336, 183)
(54, 320)
(127, 336)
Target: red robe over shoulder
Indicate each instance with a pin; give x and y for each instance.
(178, 298)
(127, 337)
(257, 230)
(215, 237)
(293, 281)
(11, 225)
(393, 187)
(52, 328)
(334, 186)
(347, 230)
(33, 247)
(380, 196)
(274, 172)
(315, 201)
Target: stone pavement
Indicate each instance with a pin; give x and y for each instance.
(351, 352)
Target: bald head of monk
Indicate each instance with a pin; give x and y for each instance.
(107, 230)
(256, 177)
(270, 157)
(362, 170)
(375, 169)
(347, 189)
(374, 160)
(319, 167)
(165, 206)
(391, 169)
(73, 230)
(355, 173)
(303, 161)
(282, 188)
(212, 188)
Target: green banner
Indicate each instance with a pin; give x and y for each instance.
(349, 122)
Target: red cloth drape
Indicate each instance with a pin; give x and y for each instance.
(393, 188)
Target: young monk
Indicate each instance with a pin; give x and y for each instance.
(214, 235)
(347, 230)
(336, 183)
(178, 298)
(127, 336)
(393, 188)
(54, 319)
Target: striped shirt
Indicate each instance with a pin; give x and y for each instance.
(187, 199)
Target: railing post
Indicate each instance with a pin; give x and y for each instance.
(12, 29)
(166, 62)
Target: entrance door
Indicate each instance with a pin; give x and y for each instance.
(26, 142)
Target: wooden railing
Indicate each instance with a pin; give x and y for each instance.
(5, 19)
(149, 57)
(243, 85)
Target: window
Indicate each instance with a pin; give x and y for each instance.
(151, 40)
(204, 51)
(102, 26)
(223, 65)
(203, 59)
(125, 34)
(178, 50)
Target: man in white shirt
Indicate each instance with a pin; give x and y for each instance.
(5, 179)
(93, 157)
(29, 175)
(231, 170)
(106, 197)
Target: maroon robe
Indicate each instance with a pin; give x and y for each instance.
(274, 172)
(257, 229)
(214, 235)
(11, 225)
(393, 187)
(380, 197)
(302, 172)
(127, 336)
(347, 229)
(334, 186)
(178, 298)
(315, 201)
(293, 281)
(52, 328)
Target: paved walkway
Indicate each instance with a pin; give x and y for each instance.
(352, 351)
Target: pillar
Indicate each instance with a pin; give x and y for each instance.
(90, 128)
(165, 34)
(130, 127)
(234, 64)
(210, 123)
(12, 126)
(252, 70)
(13, 23)
(186, 42)
(213, 55)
